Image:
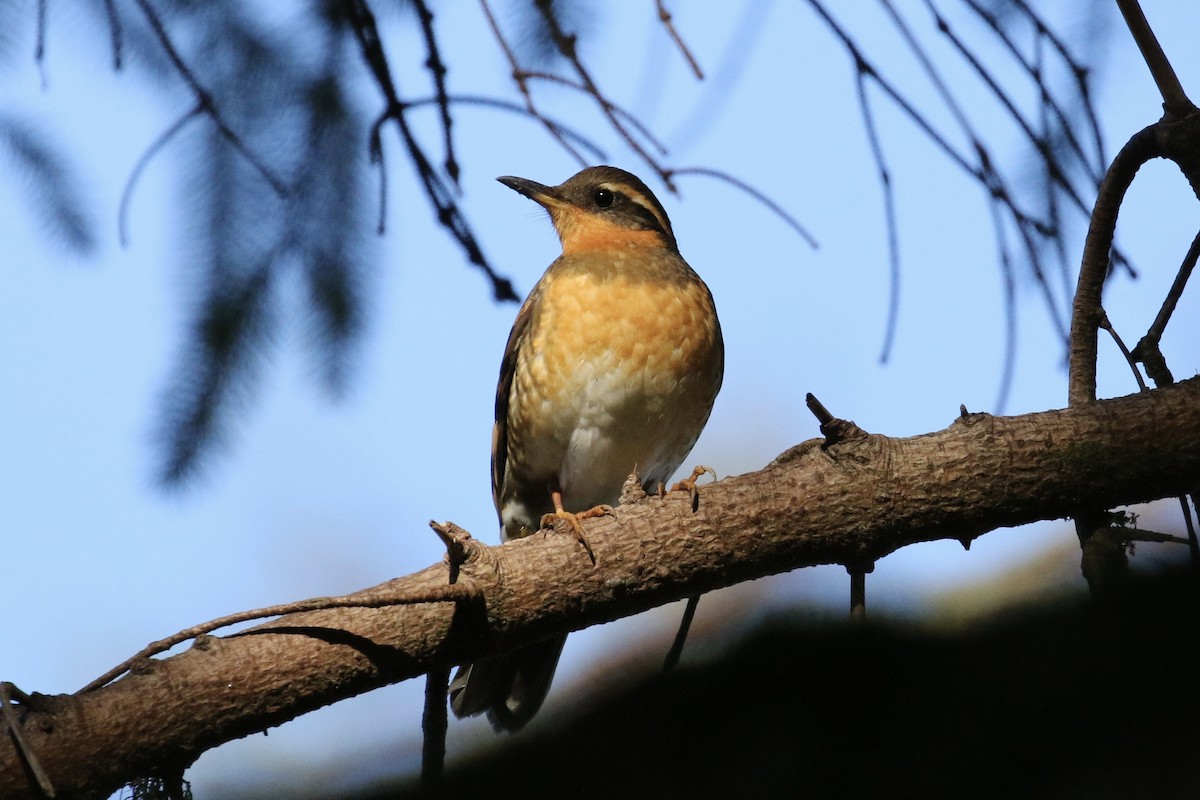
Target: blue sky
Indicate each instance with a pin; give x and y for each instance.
(313, 496)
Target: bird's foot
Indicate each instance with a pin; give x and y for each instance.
(573, 519)
(689, 484)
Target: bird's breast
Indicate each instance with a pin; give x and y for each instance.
(618, 371)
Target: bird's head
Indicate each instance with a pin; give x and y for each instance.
(600, 208)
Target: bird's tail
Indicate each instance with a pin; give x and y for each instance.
(509, 687)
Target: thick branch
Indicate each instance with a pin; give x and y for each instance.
(850, 503)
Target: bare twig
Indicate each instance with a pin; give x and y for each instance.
(134, 174)
(737, 183)
(448, 593)
(685, 625)
(889, 215)
(116, 37)
(434, 723)
(1175, 101)
(438, 70)
(990, 178)
(39, 47)
(565, 43)
(1106, 326)
(521, 78)
(1078, 70)
(575, 136)
(205, 100)
(664, 16)
(1094, 163)
(1049, 159)
(1147, 349)
(449, 215)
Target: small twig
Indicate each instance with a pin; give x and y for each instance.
(1034, 70)
(611, 107)
(685, 625)
(1147, 349)
(447, 593)
(737, 183)
(1079, 71)
(116, 37)
(39, 47)
(818, 409)
(1010, 309)
(1175, 101)
(434, 723)
(889, 215)
(7, 692)
(520, 77)
(664, 16)
(448, 213)
(438, 70)
(989, 177)
(1106, 326)
(505, 105)
(205, 101)
(134, 174)
(457, 542)
(566, 46)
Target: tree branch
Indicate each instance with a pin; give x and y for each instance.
(852, 502)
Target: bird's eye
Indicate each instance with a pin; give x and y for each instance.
(604, 198)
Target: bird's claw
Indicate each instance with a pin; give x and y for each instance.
(573, 519)
(689, 483)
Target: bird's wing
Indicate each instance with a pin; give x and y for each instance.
(508, 369)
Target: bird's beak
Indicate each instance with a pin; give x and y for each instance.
(549, 197)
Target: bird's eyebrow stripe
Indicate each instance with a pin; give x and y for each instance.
(642, 202)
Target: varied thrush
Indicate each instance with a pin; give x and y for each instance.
(612, 367)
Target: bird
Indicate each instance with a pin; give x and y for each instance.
(611, 368)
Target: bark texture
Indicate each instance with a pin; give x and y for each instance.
(850, 503)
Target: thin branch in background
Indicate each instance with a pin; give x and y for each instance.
(378, 157)
(889, 215)
(1080, 73)
(134, 174)
(1009, 368)
(638, 126)
(449, 215)
(1147, 349)
(1107, 327)
(39, 47)
(443, 593)
(1035, 72)
(116, 36)
(434, 724)
(507, 105)
(685, 625)
(438, 70)
(737, 183)
(664, 17)
(520, 77)
(1053, 208)
(205, 100)
(992, 181)
(566, 44)
(1040, 143)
